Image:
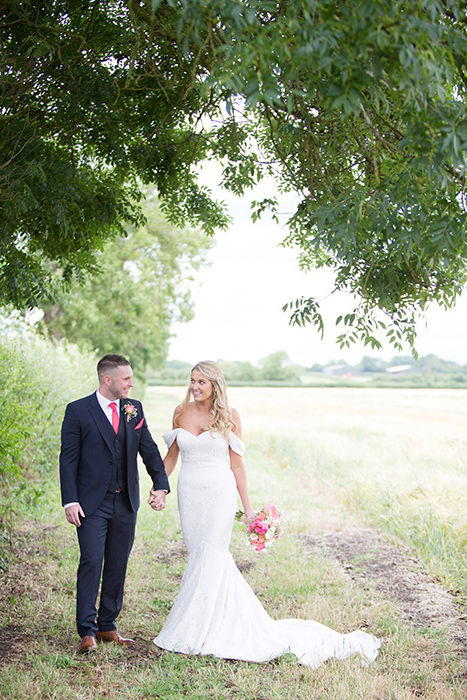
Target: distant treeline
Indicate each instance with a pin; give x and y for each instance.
(277, 370)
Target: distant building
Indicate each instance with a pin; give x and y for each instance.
(398, 368)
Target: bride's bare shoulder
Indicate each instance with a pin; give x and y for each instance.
(237, 422)
(182, 414)
(178, 413)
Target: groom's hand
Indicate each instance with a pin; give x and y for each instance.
(73, 514)
(157, 499)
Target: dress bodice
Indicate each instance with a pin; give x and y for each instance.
(206, 449)
(206, 486)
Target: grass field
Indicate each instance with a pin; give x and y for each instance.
(398, 456)
(326, 458)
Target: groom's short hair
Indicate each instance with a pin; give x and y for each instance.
(109, 362)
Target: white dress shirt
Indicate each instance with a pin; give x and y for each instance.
(105, 405)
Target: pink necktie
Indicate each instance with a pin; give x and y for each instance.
(115, 418)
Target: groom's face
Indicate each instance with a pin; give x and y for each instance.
(119, 382)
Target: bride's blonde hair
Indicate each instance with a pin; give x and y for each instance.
(220, 412)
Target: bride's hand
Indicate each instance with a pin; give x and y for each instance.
(156, 499)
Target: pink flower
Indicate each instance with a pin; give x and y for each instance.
(130, 411)
(272, 509)
(264, 528)
(260, 527)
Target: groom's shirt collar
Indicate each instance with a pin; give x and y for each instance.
(104, 404)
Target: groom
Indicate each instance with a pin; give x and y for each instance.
(101, 437)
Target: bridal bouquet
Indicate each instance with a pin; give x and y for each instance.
(264, 528)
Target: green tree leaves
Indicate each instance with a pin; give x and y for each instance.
(358, 107)
(95, 103)
(140, 289)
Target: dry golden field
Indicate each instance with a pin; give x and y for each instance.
(398, 456)
(408, 438)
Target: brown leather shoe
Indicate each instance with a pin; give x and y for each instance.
(87, 644)
(113, 636)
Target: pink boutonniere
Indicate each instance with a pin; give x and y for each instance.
(130, 411)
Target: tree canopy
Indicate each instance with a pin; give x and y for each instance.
(141, 289)
(357, 106)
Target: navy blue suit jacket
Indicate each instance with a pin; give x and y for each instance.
(87, 455)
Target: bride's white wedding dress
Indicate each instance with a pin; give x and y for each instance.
(216, 612)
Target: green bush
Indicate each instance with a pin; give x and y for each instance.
(38, 379)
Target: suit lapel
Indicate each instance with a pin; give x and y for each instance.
(129, 425)
(100, 420)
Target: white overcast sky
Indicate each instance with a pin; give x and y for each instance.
(238, 300)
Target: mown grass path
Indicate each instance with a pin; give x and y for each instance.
(317, 571)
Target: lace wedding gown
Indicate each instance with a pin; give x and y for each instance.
(216, 612)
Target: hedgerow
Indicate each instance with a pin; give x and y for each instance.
(38, 378)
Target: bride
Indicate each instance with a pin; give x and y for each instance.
(216, 612)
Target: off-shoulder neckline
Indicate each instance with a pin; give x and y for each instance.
(203, 433)
(190, 433)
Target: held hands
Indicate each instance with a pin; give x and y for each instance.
(157, 499)
(73, 513)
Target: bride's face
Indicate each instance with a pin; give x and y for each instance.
(201, 387)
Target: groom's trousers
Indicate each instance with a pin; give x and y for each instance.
(105, 540)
